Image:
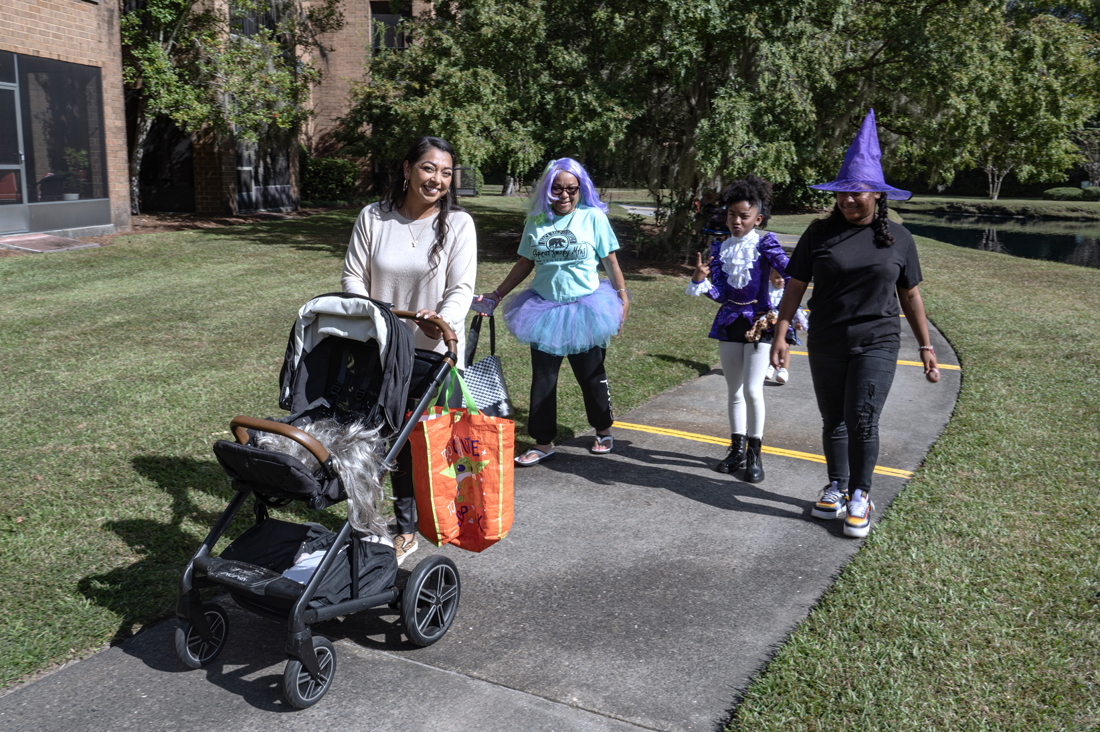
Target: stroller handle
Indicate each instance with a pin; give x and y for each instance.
(241, 424)
(449, 336)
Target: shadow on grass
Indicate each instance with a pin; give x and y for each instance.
(146, 590)
(327, 233)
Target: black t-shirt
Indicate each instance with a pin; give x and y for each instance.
(854, 307)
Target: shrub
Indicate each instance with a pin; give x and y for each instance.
(1091, 194)
(327, 179)
(1064, 194)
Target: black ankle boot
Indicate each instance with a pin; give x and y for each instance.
(754, 470)
(736, 457)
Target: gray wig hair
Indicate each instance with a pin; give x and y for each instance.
(359, 459)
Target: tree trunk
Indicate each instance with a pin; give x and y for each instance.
(141, 130)
(996, 177)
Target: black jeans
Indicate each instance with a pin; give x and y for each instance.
(851, 391)
(401, 477)
(542, 422)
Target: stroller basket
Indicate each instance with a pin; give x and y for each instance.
(349, 361)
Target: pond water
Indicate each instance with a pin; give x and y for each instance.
(1073, 242)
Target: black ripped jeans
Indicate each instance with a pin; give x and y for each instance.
(851, 391)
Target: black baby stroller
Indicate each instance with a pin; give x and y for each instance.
(349, 358)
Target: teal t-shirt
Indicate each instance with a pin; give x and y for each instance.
(566, 252)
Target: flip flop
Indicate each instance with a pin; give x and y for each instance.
(602, 440)
(540, 456)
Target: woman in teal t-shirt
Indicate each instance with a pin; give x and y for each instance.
(568, 312)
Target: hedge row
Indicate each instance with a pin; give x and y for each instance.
(1072, 194)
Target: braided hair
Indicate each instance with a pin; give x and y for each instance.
(394, 196)
(753, 190)
(881, 225)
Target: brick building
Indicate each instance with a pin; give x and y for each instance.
(201, 174)
(63, 147)
(63, 165)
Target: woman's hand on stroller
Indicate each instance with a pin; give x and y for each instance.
(431, 330)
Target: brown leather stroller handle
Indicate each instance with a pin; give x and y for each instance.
(449, 336)
(241, 424)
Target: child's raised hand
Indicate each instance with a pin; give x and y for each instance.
(702, 271)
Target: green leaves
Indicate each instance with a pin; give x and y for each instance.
(685, 96)
(243, 68)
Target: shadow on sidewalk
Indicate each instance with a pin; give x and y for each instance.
(665, 470)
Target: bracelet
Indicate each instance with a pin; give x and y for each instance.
(927, 348)
(622, 290)
(499, 296)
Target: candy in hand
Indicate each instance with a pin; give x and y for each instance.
(484, 305)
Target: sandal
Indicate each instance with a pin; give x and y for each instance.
(540, 456)
(602, 440)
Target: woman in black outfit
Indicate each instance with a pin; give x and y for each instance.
(862, 266)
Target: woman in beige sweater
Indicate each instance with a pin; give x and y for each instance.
(416, 248)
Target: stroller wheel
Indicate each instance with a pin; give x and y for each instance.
(192, 649)
(430, 600)
(301, 689)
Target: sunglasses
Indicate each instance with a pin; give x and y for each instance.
(558, 190)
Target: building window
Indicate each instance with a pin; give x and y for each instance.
(248, 22)
(63, 136)
(384, 25)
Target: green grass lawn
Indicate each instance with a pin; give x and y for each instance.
(975, 604)
(125, 363)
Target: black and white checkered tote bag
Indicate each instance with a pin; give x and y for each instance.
(486, 377)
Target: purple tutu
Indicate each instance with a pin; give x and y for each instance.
(565, 328)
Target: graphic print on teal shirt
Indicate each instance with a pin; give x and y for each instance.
(566, 258)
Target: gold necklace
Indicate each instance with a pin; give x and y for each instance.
(416, 239)
(555, 225)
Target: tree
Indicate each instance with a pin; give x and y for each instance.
(683, 96)
(1044, 87)
(1088, 141)
(243, 68)
(490, 78)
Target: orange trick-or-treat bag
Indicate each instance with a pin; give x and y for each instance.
(463, 472)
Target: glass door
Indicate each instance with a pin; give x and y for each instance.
(13, 187)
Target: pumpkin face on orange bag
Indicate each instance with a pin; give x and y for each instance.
(463, 475)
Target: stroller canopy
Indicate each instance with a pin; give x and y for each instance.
(356, 319)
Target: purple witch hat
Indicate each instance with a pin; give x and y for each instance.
(862, 167)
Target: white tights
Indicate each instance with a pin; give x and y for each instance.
(744, 365)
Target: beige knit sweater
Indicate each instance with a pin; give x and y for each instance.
(383, 264)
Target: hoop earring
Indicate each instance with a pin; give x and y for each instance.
(406, 186)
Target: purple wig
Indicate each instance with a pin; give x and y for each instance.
(539, 206)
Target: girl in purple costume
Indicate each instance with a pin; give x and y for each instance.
(737, 276)
(568, 312)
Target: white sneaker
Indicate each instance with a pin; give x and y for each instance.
(781, 376)
(833, 503)
(858, 522)
(770, 373)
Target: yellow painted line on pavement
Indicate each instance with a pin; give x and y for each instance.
(903, 363)
(895, 472)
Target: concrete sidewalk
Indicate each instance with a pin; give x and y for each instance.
(638, 590)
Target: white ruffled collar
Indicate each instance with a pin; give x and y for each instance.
(738, 255)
